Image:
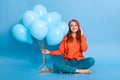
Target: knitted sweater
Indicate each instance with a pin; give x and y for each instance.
(71, 50)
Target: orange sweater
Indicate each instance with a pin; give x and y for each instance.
(71, 50)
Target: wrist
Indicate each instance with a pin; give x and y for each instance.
(48, 52)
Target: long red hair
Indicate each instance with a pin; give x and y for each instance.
(78, 33)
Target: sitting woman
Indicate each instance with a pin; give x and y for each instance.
(72, 46)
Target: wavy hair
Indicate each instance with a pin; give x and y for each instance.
(78, 33)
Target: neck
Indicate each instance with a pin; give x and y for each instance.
(73, 34)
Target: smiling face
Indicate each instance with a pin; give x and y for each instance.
(74, 31)
(73, 27)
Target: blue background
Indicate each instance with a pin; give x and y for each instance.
(100, 21)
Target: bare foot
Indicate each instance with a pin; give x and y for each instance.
(46, 70)
(83, 71)
(50, 70)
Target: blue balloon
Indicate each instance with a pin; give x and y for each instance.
(39, 29)
(40, 10)
(64, 27)
(54, 36)
(29, 17)
(52, 19)
(20, 33)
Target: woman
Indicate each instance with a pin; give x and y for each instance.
(72, 46)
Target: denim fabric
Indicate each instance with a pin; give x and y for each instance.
(72, 65)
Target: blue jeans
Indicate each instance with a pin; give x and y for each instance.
(72, 65)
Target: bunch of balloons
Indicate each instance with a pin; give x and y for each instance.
(40, 24)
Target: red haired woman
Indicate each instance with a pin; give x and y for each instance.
(72, 46)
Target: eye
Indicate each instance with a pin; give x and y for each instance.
(71, 25)
(76, 25)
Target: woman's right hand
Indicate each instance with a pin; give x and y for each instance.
(45, 51)
(81, 31)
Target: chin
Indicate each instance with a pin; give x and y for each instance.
(74, 31)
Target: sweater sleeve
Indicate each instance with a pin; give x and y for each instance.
(84, 45)
(60, 50)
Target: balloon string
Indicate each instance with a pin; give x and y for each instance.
(41, 44)
(44, 56)
(44, 62)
